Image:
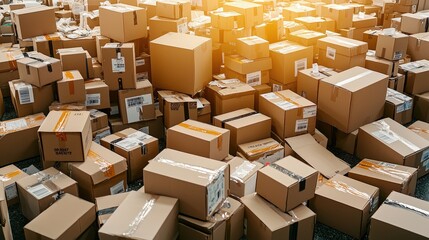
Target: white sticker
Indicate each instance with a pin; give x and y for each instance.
(285, 105)
(381, 135)
(301, 125)
(118, 188)
(140, 62)
(300, 65)
(118, 65)
(400, 108)
(254, 79)
(397, 55)
(215, 193)
(425, 155)
(11, 191)
(269, 96)
(128, 143)
(25, 92)
(309, 112)
(134, 104)
(40, 191)
(277, 87)
(408, 104)
(389, 165)
(142, 76)
(15, 124)
(330, 53)
(182, 28)
(141, 136)
(93, 99)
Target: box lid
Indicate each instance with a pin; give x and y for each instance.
(201, 130)
(266, 146)
(231, 88)
(241, 169)
(285, 47)
(287, 100)
(178, 40)
(343, 46)
(11, 173)
(64, 121)
(220, 120)
(36, 60)
(248, 120)
(307, 34)
(19, 124)
(415, 67)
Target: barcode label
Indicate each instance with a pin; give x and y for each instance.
(93, 99)
(330, 53)
(300, 65)
(16, 124)
(254, 79)
(425, 155)
(25, 93)
(277, 87)
(301, 125)
(118, 65)
(11, 191)
(118, 188)
(141, 100)
(140, 62)
(40, 191)
(309, 112)
(142, 76)
(384, 137)
(182, 28)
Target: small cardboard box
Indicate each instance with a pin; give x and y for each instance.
(342, 15)
(174, 9)
(38, 69)
(395, 219)
(390, 68)
(39, 191)
(51, 224)
(35, 21)
(418, 46)
(265, 151)
(119, 66)
(204, 111)
(253, 13)
(137, 104)
(398, 107)
(265, 221)
(397, 83)
(392, 47)
(253, 47)
(292, 114)
(9, 176)
(252, 79)
(99, 120)
(107, 205)
(346, 141)
(71, 88)
(65, 136)
(243, 176)
(308, 81)
(200, 139)
(159, 221)
(77, 59)
(160, 26)
(344, 98)
(416, 74)
(123, 23)
(200, 193)
(135, 146)
(176, 107)
(227, 20)
(97, 95)
(287, 183)
(413, 23)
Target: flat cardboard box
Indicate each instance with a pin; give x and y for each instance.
(416, 74)
(398, 107)
(227, 20)
(393, 222)
(392, 47)
(292, 181)
(135, 146)
(137, 104)
(346, 141)
(308, 81)
(99, 120)
(243, 65)
(6, 230)
(200, 193)
(291, 114)
(265, 151)
(418, 46)
(306, 148)
(159, 221)
(160, 26)
(77, 59)
(243, 176)
(200, 139)
(253, 47)
(119, 66)
(252, 79)
(318, 24)
(191, 74)
(176, 107)
(35, 21)
(51, 224)
(413, 23)
(252, 12)
(71, 88)
(65, 136)
(265, 221)
(343, 98)
(421, 103)
(39, 191)
(342, 15)
(39, 70)
(9, 176)
(390, 68)
(204, 112)
(397, 83)
(107, 205)
(96, 95)
(174, 9)
(20, 132)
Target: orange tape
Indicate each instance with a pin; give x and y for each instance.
(344, 187)
(106, 167)
(395, 173)
(71, 87)
(206, 131)
(418, 130)
(59, 127)
(10, 175)
(265, 149)
(69, 75)
(291, 101)
(11, 61)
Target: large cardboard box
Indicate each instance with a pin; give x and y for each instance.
(176, 107)
(421, 107)
(157, 218)
(397, 217)
(135, 146)
(174, 9)
(192, 73)
(38, 69)
(381, 65)
(160, 26)
(227, 20)
(418, 46)
(342, 15)
(265, 221)
(243, 176)
(416, 74)
(137, 104)
(65, 136)
(9, 176)
(34, 21)
(122, 22)
(308, 81)
(398, 107)
(287, 183)
(252, 12)
(107, 205)
(200, 192)
(97, 95)
(39, 191)
(71, 88)
(291, 114)
(77, 59)
(200, 139)
(51, 224)
(119, 66)
(344, 100)
(392, 47)
(265, 151)
(413, 23)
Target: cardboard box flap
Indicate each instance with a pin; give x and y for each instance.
(293, 169)
(231, 88)
(50, 178)
(384, 171)
(206, 106)
(355, 79)
(19, 124)
(37, 60)
(181, 41)
(343, 46)
(65, 121)
(266, 146)
(201, 130)
(242, 170)
(289, 98)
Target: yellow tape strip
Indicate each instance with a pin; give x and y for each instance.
(299, 114)
(265, 149)
(106, 167)
(206, 131)
(59, 127)
(395, 173)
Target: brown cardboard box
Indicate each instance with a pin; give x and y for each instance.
(71, 88)
(204, 111)
(253, 47)
(272, 30)
(265, 221)
(371, 37)
(143, 67)
(288, 59)
(173, 9)
(390, 68)
(261, 89)
(346, 141)
(99, 120)
(229, 95)
(243, 176)
(119, 65)
(137, 104)
(306, 37)
(153, 127)
(292, 114)
(252, 12)
(9, 176)
(227, 20)
(38, 69)
(342, 15)
(48, 44)
(77, 59)
(422, 129)
(6, 230)
(293, 11)
(243, 65)
(252, 79)
(395, 219)
(318, 24)
(229, 37)
(387, 177)
(97, 95)
(107, 205)
(421, 106)
(135, 146)
(192, 73)
(397, 83)
(176, 107)
(413, 23)
(292, 181)
(200, 193)
(353, 202)
(20, 132)
(245, 125)
(343, 98)
(160, 26)
(306, 148)
(99, 134)
(392, 47)
(159, 221)
(123, 22)
(35, 21)
(80, 216)
(308, 81)
(416, 74)
(364, 21)
(28, 99)
(341, 53)
(199, 139)
(418, 46)
(398, 107)
(265, 151)
(65, 136)
(39, 191)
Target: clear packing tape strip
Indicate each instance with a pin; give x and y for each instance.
(408, 207)
(301, 180)
(242, 171)
(19, 124)
(387, 135)
(385, 170)
(106, 167)
(134, 225)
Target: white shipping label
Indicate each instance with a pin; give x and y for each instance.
(269, 96)
(330, 53)
(182, 28)
(141, 136)
(408, 104)
(300, 65)
(381, 135)
(39, 191)
(117, 188)
(118, 65)
(425, 155)
(400, 108)
(215, 193)
(16, 124)
(277, 87)
(301, 125)
(286, 105)
(309, 112)
(11, 191)
(254, 79)
(140, 62)
(93, 99)
(25, 93)
(134, 104)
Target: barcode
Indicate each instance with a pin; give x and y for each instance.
(133, 102)
(24, 95)
(118, 188)
(93, 100)
(40, 191)
(301, 125)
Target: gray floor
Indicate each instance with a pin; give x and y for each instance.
(321, 231)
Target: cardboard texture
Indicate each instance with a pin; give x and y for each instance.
(160, 26)
(413, 23)
(265, 151)
(342, 15)
(261, 89)
(252, 12)
(292, 12)
(77, 59)
(253, 47)
(421, 103)
(227, 20)
(318, 24)
(32, 22)
(137, 104)
(415, 75)
(243, 65)
(71, 88)
(418, 46)
(398, 107)
(38, 69)
(6, 230)
(346, 141)
(204, 112)
(243, 176)
(306, 37)
(176, 107)
(381, 65)
(173, 9)
(253, 79)
(107, 205)
(392, 47)
(97, 95)
(10, 175)
(99, 120)
(308, 81)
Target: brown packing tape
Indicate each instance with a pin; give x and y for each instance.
(390, 171)
(299, 110)
(12, 62)
(106, 167)
(60, 125)
(264, 149)
(206, 131)
(334, 93)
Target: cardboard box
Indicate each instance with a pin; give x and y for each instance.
(246, 66)
(292, 181)
(413, 23)
(390, 68)
(306, 37)
(119, 66)
(143, 67)
(36, 21)
(415, 75)
(107, 205)
(65, 136)
(81, 215)
(38, 69)
(227, 20)
(346, 141)
(342, 15)
(264, 221)
(97, 95)
(20, 132)
(245, 125)
(206, 5)
(253, 47)
(395, 219)
(252, 79)
(243, 176)
(99, 120)
(308, 81)
(265, 151)
(9, 176)
(253, 13)
(343, 98)
(418, 45)
(176, 107)
(199, 139)
(71, 88)
(39, 191)
(135, 146)
(48, 44)
(421, 103)
(277, 86)
(397, 83)
(77, 59)
(200, 193)
(293, 11)
(354, 203)
(159, 221)
(318, 24)
(192, 74)
(371, 37)
(28, 99)
(123, 23)
(6, 230)
(391, 47)
(261, 89)
(173, 9)
(161, 26)
(137, 104)
(204, 111)
(100, 41)
(398, 107)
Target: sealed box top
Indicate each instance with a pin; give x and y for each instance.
(415, 67)
(19, 124)
(178, 40)
(201, 130)
(241, 169)
(51, 177)
(231, 88)
(220, 120)
(42, 60)
(64, 121)
(129, 139)
(286, 47)
(343, 46)
(264, 146)
(288, 99)
(71, 76)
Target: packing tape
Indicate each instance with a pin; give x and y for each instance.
(68, 75)
(12, 61)
(419, 130)
(387, 132)
(8, 176)
(390, 171)
(222, 214)
(106, 211)
(398, 96)
(301, 180)
(264, 149)
(60, 126)
(290, 100)
(242, 171)
(206, 131)
(133, 226)
(237, 117)
(106, 167)
(408, 207)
